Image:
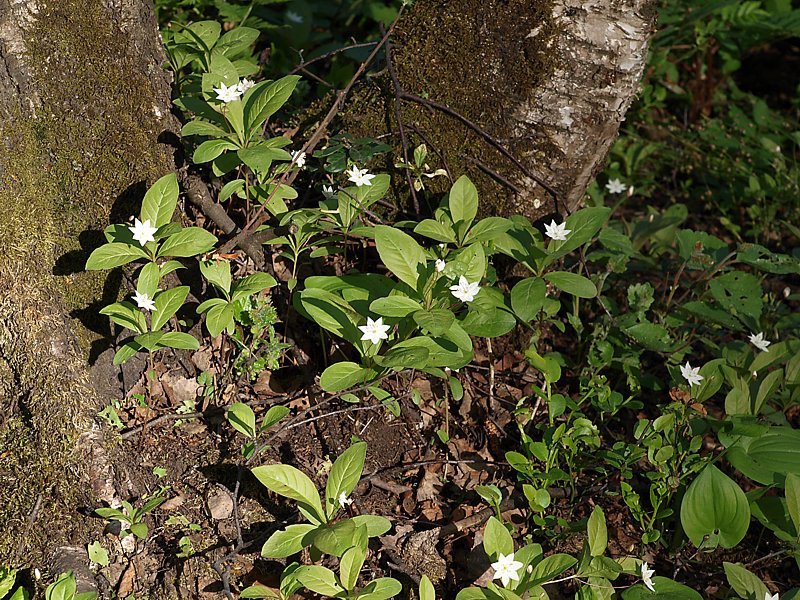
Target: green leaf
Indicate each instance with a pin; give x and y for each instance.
(551, 567)
(767, 389)
(260, 158)
(319, 579)
(435, 230)
(97, 554)
(488, 229)
(63, 588)
(714, 510)
(350, 567)
(287, 541)
(274, 414)
(666, 589)
(381, 589)
(265, 98)
(650, 336)
(739, 293)
(330, 312)
(412, 357)
(583, 225)
(127, 315)
(149, 277)
(496, 539)
(188, 242)
(211, 149)
(488, 322)
(219, 317)
(598, 533)
(572, 283)
(258, 591)
(242, 418)
(426, 589)
(160, 201)
(125, 352)
(218, 273)
(437, 320)
(527, 298)
(206, 32)
(376, 526)
(200, 127)
(344, 476)
(395, 306)
(463, 201)
(7, 578)
(745, 583)
(179, 341)
(400, 253)
(343, 375)
(292, 483)
(113, 255)
(149, 341)
(252, 284)
(167, 304)
(793, 498)
(170, 266)
(231, 188)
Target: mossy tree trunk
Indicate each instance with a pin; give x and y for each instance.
(549, 80)
(83, 100)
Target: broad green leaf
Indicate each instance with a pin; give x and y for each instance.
(412, 357)
(218, 273)
(583, 225)
(125, 352)
(650, 336)
(666, 589)
(745, 583)
(7, 578)
(167, 304)
(437, 320)
(739, 293)
(793, 498)
(266, 98)
(344, 476)
(149, 341)
(219, 317)
(287, 541)
(767, 389)
(252, 284)
(113, 255)
(463, 200)
(63, 588)
(188, 242)
(335, 539)
(715, 511)
(126, 314)
(350, 566)
(376, 526)
(260, 158)
(179, 341)
(170, 266)
(274, 414)
(496, 539)
(343, 375)
(488, 322)
(527, 298)
(435, 231)
(231, 188)
(206, 32)
(242, 418)
(401, 254)
(238, 39)
(330, 312)
(211, 149)
(149, 277)
(426, 589)
(572, 283)
(598, 533)
(551, 567)
(292, 483)
(319, 579)
(442, 351)
(712, 380)
(97, 554)
(395, 306)
(258, 591)
(381, 589)
(488, 229)
(200, 127)
(160, 201)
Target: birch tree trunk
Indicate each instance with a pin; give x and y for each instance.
(83, 100)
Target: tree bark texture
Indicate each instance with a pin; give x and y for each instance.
(83, 100)
(548, 80)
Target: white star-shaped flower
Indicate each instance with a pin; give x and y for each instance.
(299, 158)
(244, 85)
(144, 301)
(759, 342)
(344, 500)
(465, 291)
(294, 17)
(143, 232)
(772, 597)
(557, 232)
(692, 375)
(615, 186)
(647, 577)
(505, 569)
(374, 331)
(228, 94)
(360, 176)
(440, 265)
(328, 191)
